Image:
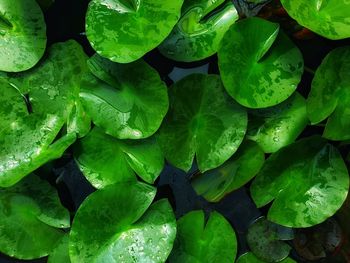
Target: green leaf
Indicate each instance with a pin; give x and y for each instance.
(307, 180)
(330, 95)
(200, 29)
(251, 258)
(105, 160)
(45, 4)
(30, 215)
(205, 242)
(260, 67)
(34, 107)
(202, 121)
(116, 224)
(60, 253)
(275, 127)
(124, 30)
(22, 35)
(213, 185)
(328, 18)
(128, 101)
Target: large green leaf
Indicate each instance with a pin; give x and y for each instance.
(329, 18)
(200, 29)
(251, 258)
(105, 160)
(22, 34)
(128, 101)
(60, 254)
(202, 121)
(198, 241)
(260, 67)
(30, 215)
(213, 185)
(124, 30)
(117, 224)
(330, 94)
(34, 106)
(275, 127)
(307, 180)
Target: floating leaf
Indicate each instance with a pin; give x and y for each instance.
(23, 34)
(329, 18)
(260, 67)
(124, 30)
(330, 95)
(200, 30)
(307, 180)
(275, 127)
(202, 121)
(60, 253)
(128, 101)
(213, 185)
(251, 258)
(105, 160)
(116, 224)
(205, 242)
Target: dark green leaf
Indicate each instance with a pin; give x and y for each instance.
(251, 258)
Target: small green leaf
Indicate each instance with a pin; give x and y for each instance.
(124, 30)
(202, 121)
(251, 258)
(200, 29)
(330, 94)
(128, 101)
(260, 67)
(60, 253)
(213, 185)
(307, 180)
(204, 242)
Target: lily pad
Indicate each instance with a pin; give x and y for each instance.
(22, 35)
(330, 94)
(30, 218)
(200, 29)
(329, 18)
(260, 67)
(124, 30)
(213, 185)
(105, 160)
(128, 101)
(117, 224)
(200, 241)
(60, 253)
(307, 180)
(202, 121)
(275, 127)
(34, 106)
(251, 258)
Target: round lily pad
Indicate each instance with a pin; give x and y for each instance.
(60, 254)
(124, 30)
(202, 121)
(330, 94)
(128, 101)
(117, 224)
(105, 160)
(205, 242)
(198, 33)
(251, 258)
(213, 185)
(22, 35)
(260, 67)
(328, 18)
(307, 181)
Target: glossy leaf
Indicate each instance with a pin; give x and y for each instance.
(117, 224)
(275, 127)
(330, 95)
(128, 101)
(205, 242)
(202, 121)
(60, 253)
(329, 18)
(34, 106)
(213, 185)
(105, 160)
(124, 30)
(251, 258)
(307, 180)
(23, 35)
(260, 67)
(198, 33)
(30, 215)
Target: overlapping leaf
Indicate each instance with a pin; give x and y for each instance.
(251, 258)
